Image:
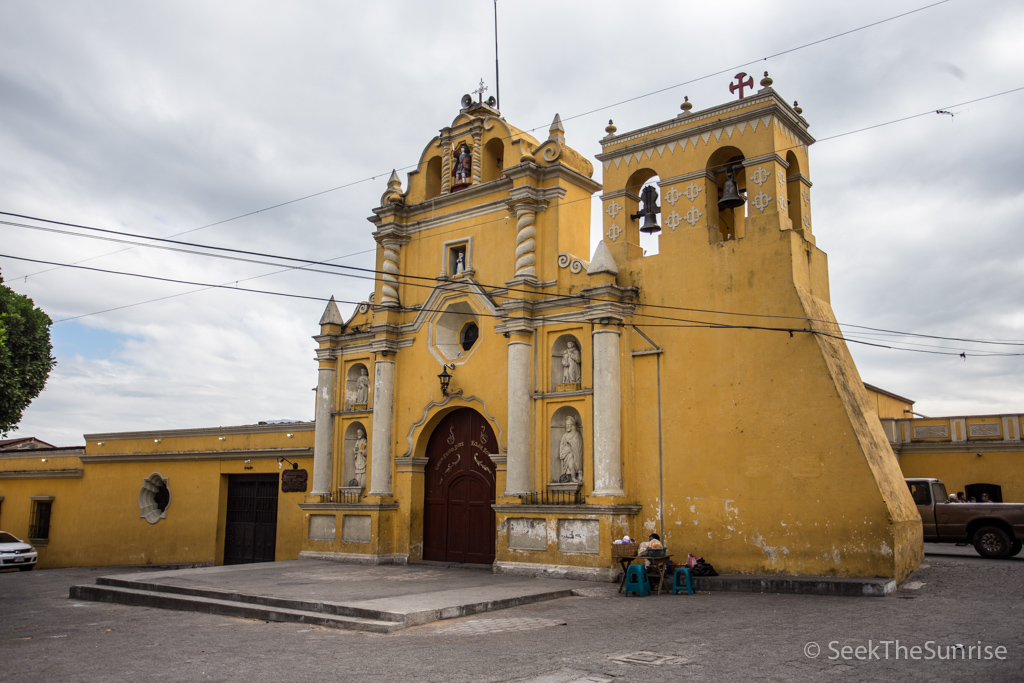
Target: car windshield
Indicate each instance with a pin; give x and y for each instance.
(7, 538)
(939, 489)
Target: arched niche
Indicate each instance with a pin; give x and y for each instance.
(558, 351)
(493, 159)
(432, 186)
(727, 224)
(358, 385)
(793, 187)
(559, 429)
(356, 439)
(154, 498)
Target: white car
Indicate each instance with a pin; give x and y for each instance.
(14, 553)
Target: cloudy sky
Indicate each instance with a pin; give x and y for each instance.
(163, 117)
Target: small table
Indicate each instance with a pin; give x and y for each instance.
(657, 568)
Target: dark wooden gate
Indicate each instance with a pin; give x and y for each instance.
(458, 520)
(251, 530)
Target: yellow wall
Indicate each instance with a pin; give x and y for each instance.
(96, 518)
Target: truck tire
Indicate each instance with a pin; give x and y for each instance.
(992, 542)
(1015, 548)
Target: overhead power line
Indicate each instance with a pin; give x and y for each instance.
(535, 128)
(681, 324)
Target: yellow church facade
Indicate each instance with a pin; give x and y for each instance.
(511, 395)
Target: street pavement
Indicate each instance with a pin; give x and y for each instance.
(955, 597)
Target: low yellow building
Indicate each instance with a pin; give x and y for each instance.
(593, 391)
(186, 496)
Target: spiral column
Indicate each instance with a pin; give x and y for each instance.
(526, 242)
(389, 278)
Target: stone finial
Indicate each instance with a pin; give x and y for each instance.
(796, 108)
(686, 106)
(602, 261)
(610, 128)
(766, 82)
(393, 195)
(557, 132)
(331, 316)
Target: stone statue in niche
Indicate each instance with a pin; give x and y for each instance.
(571, 374)
(460, 264)
(359, 459)
(463, 165)
(362, 388)
(570, 453)
(571, 364)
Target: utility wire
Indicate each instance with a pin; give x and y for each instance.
(412, 280)
(409, 278)
(529, 130)
(683, 324)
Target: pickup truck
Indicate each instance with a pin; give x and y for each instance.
(995, 529)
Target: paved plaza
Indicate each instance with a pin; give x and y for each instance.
(955, 598)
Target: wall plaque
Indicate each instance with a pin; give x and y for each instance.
(293, 481)
(983, 430)
(931, 432)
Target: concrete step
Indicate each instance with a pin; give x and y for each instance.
(317, 606)
(796, 585)
(163, 599)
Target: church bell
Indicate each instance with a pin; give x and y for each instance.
(731, 197)
(649, 197)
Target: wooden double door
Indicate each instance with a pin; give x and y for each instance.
(250, 533)
(458, 520)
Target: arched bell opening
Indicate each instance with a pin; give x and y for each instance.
(727, 212)
(493, 159)
(642, 226)
(433, 178)
(793, 190)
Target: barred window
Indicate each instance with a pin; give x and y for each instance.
(39, 526)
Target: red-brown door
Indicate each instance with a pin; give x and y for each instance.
(458, 520)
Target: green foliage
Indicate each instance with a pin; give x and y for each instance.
(25, 360)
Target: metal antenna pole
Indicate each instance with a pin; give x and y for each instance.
(497, 83)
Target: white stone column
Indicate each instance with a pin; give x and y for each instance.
(383, 419)
(323, 440)
(607, 413)
(520, 407)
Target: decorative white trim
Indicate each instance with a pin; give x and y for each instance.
(672, 195)
(761, 201)
(448, 399)
(760, 175)
(573, 263)
(673, 220)
(613, 209)
(692, 191)
(692, 216)
(613, 232)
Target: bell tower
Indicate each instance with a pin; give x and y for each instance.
(723, 172)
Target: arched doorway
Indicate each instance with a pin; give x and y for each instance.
(458, 520)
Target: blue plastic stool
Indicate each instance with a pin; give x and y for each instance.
(636, 580)
(685, 585)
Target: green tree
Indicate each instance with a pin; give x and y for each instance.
(25, 360)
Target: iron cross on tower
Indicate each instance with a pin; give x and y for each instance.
(740, 84)
(479, 92)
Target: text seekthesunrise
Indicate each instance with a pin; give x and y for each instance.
(894, 649)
